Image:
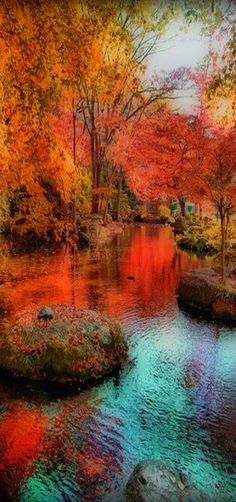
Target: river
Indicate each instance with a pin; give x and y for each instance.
(175, 399)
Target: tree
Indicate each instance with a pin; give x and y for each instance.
(112, 89)
(81, 66)
(169, 155)
(218, 180)
(36, 172)
(155, 153)
(222, 81)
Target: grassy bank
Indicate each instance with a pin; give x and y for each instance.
(203, 237)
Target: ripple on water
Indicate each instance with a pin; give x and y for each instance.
(175, 399)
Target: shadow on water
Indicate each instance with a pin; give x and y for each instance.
(46, 392)
(204, 316)
(175, 399)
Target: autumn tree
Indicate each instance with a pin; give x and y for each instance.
(112, 76)
(172, 155)
(155, 154)
(218, 183)
(222, 79)
(86, 61)
(36, 172)
(112, 88)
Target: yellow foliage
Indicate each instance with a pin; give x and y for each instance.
(52, 51)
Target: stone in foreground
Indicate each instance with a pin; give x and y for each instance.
(45, 313)
(158, 481)
(203, 289)
(76, 345)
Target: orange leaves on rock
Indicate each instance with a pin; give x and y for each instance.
(75, 345)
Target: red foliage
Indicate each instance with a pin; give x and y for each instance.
(169, 155)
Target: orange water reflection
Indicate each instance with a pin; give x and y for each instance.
(98, 278)
(84, 443)
(21, 434)
(36, 440)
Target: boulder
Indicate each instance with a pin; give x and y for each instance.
(158, 481)
(203, 289)
(225, 310)
(108, 219)
(76, 345)
(89, 230)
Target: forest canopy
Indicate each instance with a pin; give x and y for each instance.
(80, 117)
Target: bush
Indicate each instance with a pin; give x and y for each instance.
(163, 212)
(200, 237)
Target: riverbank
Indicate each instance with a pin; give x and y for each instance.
(109, 231)
(92, 232)
(95, 230)
(201, 237)
(204, 237)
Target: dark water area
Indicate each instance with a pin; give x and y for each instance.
(175, 399)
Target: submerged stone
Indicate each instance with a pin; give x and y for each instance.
(77, 345)
(158, 481)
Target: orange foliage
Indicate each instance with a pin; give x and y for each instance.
(53, 153)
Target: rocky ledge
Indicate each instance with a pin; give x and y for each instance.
(158, 481)
(203, 289)
(62, 343)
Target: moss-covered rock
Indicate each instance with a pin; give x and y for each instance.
(76, 345)
(203, 289)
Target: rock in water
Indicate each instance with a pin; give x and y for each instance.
(158, 481)
(77, 345)
(46, 314)
(203, 290)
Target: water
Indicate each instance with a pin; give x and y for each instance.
(175, 399)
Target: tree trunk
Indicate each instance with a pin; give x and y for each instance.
(96, 185)
(95, 203)
(182, 206)
(96, 181)
(74, 158)
(96, 164)
(227, 226)
(118, 202)
(200, 211)
(95, 198)
(222, 221)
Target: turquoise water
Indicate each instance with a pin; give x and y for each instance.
(175, 399)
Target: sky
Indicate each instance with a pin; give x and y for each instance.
(177, 49)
